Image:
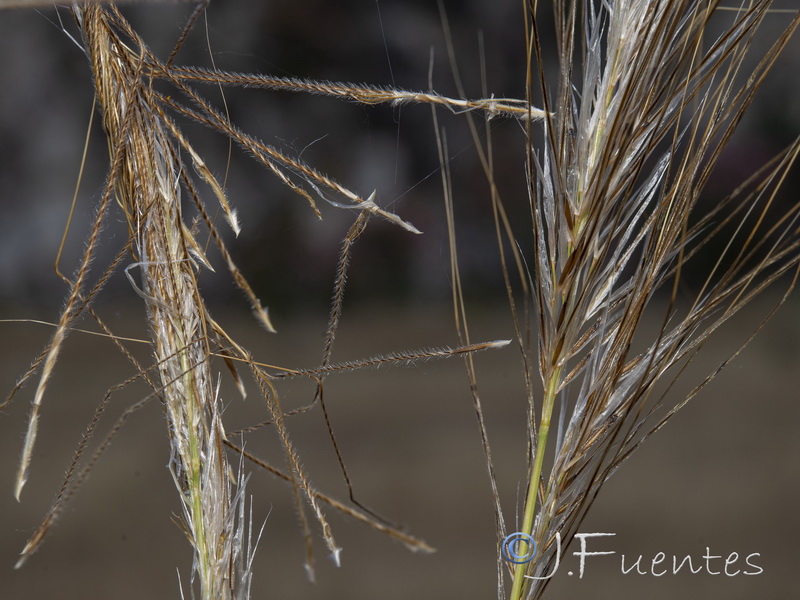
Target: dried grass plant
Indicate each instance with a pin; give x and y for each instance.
(645, 97)
(148, 179)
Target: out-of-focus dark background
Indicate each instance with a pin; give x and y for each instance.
(722, 476)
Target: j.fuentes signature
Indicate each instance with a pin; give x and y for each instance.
(520, 548)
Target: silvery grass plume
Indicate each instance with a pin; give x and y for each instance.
(149, 177)
(644, 100)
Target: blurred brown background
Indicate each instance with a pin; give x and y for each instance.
(723, 475)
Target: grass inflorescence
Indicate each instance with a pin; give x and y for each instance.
(621, 136)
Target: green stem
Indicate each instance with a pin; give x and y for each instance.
(196, 494)
(520, 583)
(195, 478)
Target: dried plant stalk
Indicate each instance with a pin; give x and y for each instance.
(148, 190)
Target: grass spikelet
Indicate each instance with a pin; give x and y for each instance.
(362, 94)
(395, 358)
